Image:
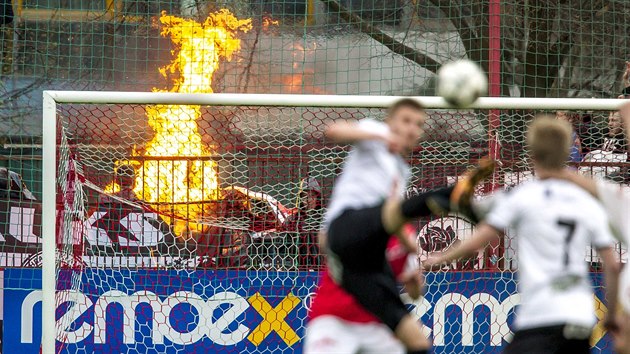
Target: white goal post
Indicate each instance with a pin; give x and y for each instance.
(51, 99)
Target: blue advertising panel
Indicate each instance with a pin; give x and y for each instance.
(175, 311)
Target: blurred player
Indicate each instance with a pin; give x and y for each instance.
(339, 324)
(365, 209)
(617, 204)
(554, 221)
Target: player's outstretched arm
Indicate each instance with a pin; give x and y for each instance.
(617, 204)
(567, 174)
(350, 133)
(483, 235)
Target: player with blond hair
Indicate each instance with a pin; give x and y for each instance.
(554, 221)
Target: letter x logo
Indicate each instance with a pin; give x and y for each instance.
(273, 319)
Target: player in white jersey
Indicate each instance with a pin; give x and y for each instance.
(366, 208)
(616, 201)
(554, 221)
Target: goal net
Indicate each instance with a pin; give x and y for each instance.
(187, 223)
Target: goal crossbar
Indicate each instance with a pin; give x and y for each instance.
(349, 101)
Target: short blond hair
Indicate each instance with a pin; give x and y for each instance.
(549, 141)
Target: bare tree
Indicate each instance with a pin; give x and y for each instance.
(557, 48)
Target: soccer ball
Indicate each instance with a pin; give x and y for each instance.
(461, 82)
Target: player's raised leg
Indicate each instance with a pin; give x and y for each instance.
(458, 198)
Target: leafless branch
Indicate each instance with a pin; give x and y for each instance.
(250, 62)
(472, 42)
(379, 36)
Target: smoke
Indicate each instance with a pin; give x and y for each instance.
(342, 64)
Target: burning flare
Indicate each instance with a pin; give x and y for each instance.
(182, 176)
(201, 46)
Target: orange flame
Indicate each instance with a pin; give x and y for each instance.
(183, 177)
(302, 81)
(201, 46)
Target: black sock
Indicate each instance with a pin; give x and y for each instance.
(417, 205)
(424, 351)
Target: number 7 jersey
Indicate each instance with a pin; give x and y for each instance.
(553, 222)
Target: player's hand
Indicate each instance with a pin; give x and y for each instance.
(433, 262)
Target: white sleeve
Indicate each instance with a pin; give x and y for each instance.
(504, 212)
(374, 127)
(616, 202)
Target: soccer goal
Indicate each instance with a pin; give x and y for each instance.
(186, 222)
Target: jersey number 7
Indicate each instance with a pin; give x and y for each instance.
(570, 226)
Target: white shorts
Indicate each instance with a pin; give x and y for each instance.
(329, 334)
